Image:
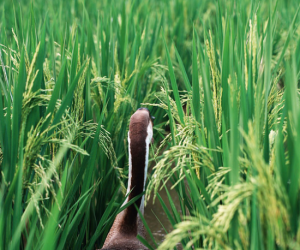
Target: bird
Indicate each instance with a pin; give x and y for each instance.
(126, 226)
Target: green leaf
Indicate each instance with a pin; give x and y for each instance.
(174, 84)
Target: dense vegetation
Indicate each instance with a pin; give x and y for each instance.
(221, 78)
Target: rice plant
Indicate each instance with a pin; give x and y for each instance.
(221, 78)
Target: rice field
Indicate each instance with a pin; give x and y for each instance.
(222, 79)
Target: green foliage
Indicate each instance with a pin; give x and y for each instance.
(221, 78)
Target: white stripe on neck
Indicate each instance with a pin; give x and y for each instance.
(129, 169)
(148, 141)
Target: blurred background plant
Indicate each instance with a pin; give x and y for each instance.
(221, 78)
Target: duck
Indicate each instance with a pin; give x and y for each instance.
(127, 225)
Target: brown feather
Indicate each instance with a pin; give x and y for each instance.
(127, 224)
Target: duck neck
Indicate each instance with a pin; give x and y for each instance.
(138, 165)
